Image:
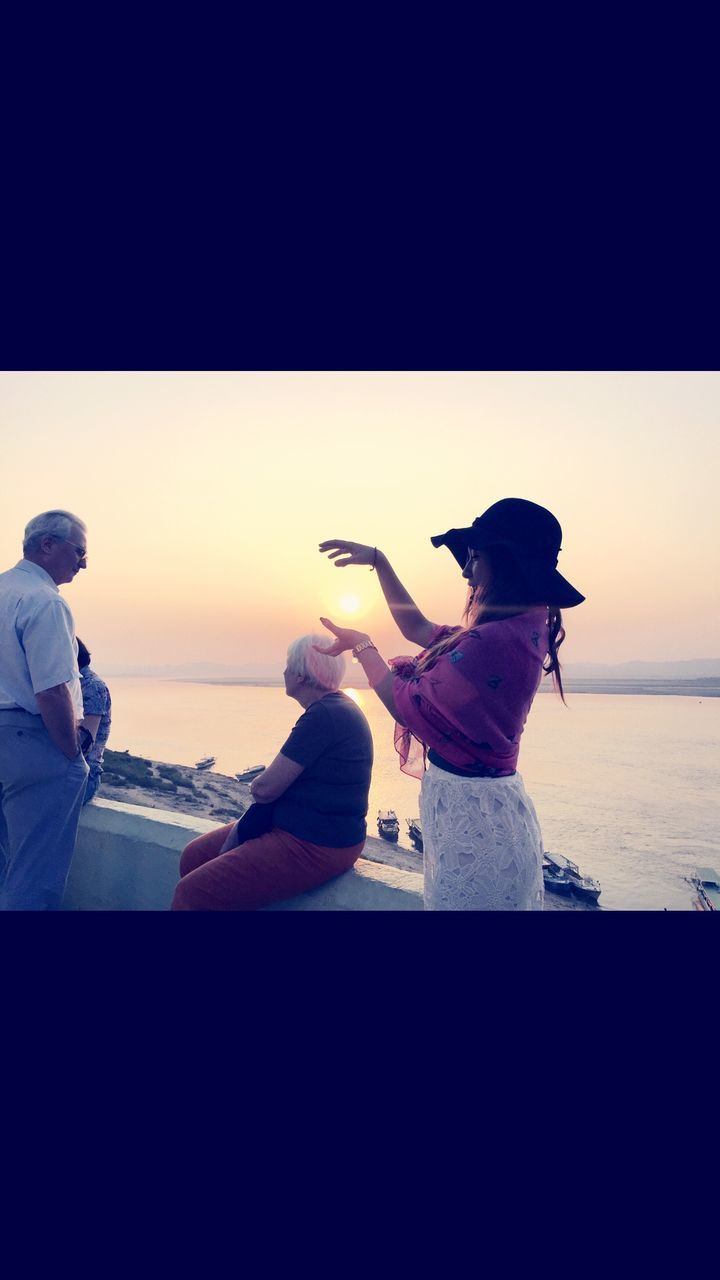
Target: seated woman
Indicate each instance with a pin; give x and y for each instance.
(318, 786)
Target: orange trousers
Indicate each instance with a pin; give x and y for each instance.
(275, 866)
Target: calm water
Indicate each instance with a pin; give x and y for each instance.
(625, 786)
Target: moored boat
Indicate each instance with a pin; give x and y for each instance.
(387, 824)
(207, 762)
(707, 882)
(251, 772)
(586, 887)
(555, 880)
(583, 886)
(563, 863)
(415, 832)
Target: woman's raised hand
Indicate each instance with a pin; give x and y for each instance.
(345, 639)
(351, 552)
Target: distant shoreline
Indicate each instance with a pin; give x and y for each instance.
(249, 682)
(698, 688)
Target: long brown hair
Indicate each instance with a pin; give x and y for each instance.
(505, 596)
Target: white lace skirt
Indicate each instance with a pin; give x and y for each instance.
(482, 844)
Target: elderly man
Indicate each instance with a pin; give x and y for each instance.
(43, 772)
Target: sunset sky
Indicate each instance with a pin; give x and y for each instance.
(206, 495)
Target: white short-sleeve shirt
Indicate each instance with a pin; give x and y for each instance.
(38, 649)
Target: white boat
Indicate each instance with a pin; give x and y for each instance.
(207, 762)
(251, 772)
(387, 824)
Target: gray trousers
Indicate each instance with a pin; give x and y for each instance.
(41, 795)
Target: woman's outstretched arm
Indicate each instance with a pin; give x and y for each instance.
(411, 622)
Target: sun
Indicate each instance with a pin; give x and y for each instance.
(349, 604)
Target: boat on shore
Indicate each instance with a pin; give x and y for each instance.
(251, 772)
(207, 762)
(387, 824)
(559, 871)
(415, 832)
(707, 883)
(555, 879)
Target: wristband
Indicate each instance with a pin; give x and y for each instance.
(364, 644)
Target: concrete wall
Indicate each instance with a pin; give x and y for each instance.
(126, 859)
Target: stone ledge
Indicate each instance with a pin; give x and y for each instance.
(126, 859)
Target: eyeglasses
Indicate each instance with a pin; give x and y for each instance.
(80, 552)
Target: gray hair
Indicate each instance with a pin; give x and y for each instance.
(319, 669)
(49, 524)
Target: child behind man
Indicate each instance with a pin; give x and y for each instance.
(97, 707)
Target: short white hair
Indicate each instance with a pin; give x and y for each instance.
(49, 524)
(319, 669)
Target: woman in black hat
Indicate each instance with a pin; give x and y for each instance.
(460, 706)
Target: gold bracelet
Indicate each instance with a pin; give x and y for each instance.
(364, 644)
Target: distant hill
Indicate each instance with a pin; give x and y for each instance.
(201, 671)
(693, 669)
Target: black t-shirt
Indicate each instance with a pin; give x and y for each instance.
(328, 803)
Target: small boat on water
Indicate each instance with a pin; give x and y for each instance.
(387, 824)
(707, 882)
(415, 832)
(207, 762)
(251, 772)
(554, 865)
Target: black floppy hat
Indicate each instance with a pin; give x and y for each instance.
(533, 536)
